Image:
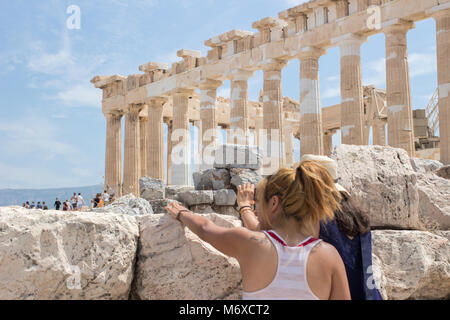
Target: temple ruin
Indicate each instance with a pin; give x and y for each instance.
(168, 95)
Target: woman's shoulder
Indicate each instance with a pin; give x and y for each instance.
(325, 254)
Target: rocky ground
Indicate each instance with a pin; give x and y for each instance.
(131, 249)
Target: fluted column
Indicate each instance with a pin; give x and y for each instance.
(113, 156)
(400, 115)
(311, 133)
(352, 105)
(328, 142)
(239, 114)
(288, 132)
(181, 138)
(132, 159)
(209, 133)
(379, 133)
(169, 151)
(143, 152)
(155, 137)
(273, 115)
(443, 66)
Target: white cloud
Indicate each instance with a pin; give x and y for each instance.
(80, 95)
(332, 92)
(422, 64)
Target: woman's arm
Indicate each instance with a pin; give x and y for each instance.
(339, 282)
(234, 242)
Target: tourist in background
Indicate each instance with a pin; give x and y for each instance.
(66, 205)
(349, 232)
(112, 198)
(32, 205)
(289, 207)
(57, 204)
(105, 197)
(74, 200)
(39, 206)
(27, 205)
(44, 206)
(80, 202)
(96, 200)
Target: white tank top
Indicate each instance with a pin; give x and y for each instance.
(290, 281)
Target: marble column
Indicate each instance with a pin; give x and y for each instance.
(311, 133)
(352, 105)
(379, 132)
(132, 165)
(239, 113)
(328, 142)
(181, 138)
(169, 151)
(400, 115)
(443, 66)
(209, 133)
(155, 137)
(288, 132)
(113, 156)
(273, 115)
(143, 152)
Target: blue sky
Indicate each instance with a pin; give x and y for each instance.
(52, 130)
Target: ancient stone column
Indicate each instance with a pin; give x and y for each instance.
(239, 114)
(273, 115)
(169, 151)
(143, 152)
(132, 165)
(181, 138)
(155, 137)
(113, 156)
(443, 66)
(352, 105)
(399, 113)
(288, 131)
(198, 156)
(209, 118)
(379, 133)
(311, 133)
(328, 143)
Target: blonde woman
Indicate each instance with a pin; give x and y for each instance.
(285, 261)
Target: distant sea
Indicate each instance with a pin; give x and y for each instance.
(12, 197)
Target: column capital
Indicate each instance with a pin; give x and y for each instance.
(210, 84)
(183, 92)
(134, 108)
(113, 114)
(240, 74)
(311, 53)
(157, 101)
(274, 65)
(349, 39)
(397, 26)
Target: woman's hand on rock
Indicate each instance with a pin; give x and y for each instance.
(246, 195)
(173, 208)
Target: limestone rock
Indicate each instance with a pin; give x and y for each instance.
(434, 204)
(413, 264)
(173, 191)
(212, 179)
(225, 197)
(382, 182)
(425, 165)
(444, 172)
(160, 205)
(202, 208)
(129, 205)
(191, 198)
(51, 255)
(237, 156)
(151, 189)
(242, 176)
(173, 263)
(226, 210)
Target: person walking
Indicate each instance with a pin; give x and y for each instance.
(57, 204)
(289, 207)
